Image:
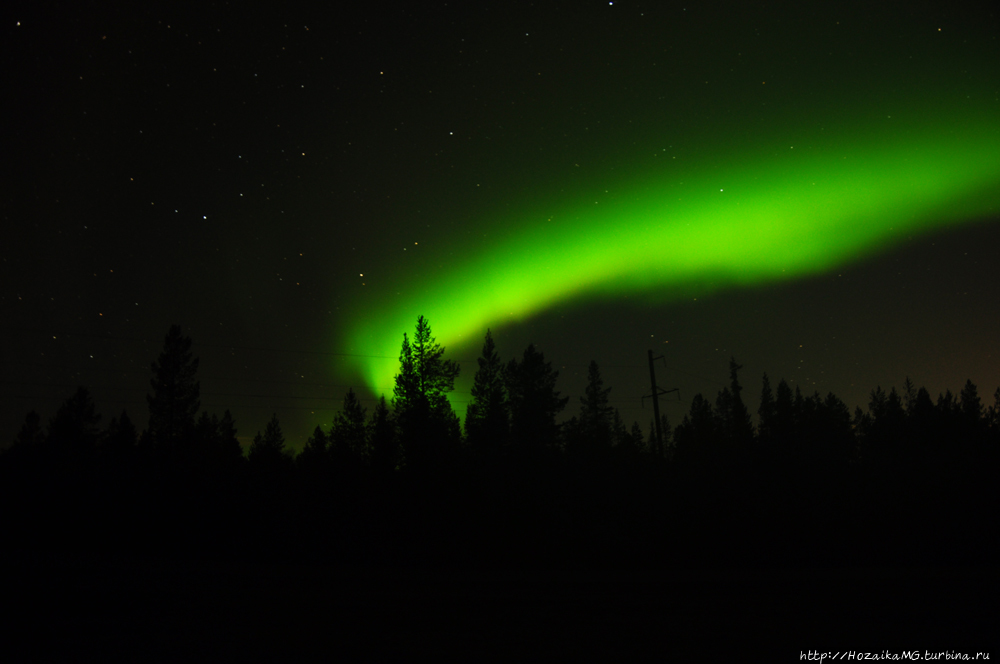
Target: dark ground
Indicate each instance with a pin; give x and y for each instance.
(161, 610)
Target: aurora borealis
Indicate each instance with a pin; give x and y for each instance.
(756, 219)
(811, 188)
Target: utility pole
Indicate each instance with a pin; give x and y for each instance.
(658, 443)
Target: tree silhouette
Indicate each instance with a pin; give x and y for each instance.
(315, 453)
(427, 424)
(382, 439)
(695, 437)
(74, 427)
(214, 441)
(594, 428)
(230, 447)
(732, 413)
(973, 426)
(31, 434)
(487, 417)
(174, 402)
(993, 418)
(666, 431)
(534, 401)
(767, 415)
(348, 435)
(121, 436)
(634, 441)
(268, 449)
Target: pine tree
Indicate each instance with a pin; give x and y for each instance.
(229, 444)
(382, 437)
(174, 402)
(767, 413)
(427, 424)
(593, 430)
(993, 418)
(737, 421)
(667, 448)
(121, 436)
(696, 436)
(74, 426)
(971, 405)
(487, 418)
(635, 439)
(31, 434)
(534, 401)
(348, 436)
(315, 453)
(269, 448)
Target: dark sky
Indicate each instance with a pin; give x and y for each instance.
(238, 171)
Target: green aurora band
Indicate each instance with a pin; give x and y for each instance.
(774, 211)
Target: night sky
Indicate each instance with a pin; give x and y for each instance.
(811, 188)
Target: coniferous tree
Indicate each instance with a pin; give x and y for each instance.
(348, 436)
(31, 434)
(487, 419)
(767, 413)
(174, 402)
(594, 426)
(121, 436)
(230, 447)
(696, 436)
(382, 437)
(428, 426)
(635, 441)
(784, 427)
(315, 453)
(206, 434)
(921, 415)
(667, 447)
(993, 417)
(618, 430)
(269, 448)
(738, 423)
(909, 395)
(534, 401)
(971, 408)
(74, 426)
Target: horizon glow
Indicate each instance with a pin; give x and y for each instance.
(742, 216)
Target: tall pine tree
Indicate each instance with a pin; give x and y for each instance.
(428, 426)
(174, 402)
(487, 419)
(534, 401)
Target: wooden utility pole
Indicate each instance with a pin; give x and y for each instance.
(658, 443)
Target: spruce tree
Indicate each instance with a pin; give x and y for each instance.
(427, 423)
(348, 436)
(174, 402)
(121, 436)
(768, 413)
(596, 415)
(740, 427)
(268, 448)
(315, 453)
(534, 401)
(31, 434)
(74, 426)
(487, 418)
(382, 437)
(230, 447)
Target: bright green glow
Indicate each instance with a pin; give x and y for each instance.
(766, 214)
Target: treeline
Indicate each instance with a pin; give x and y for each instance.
(405, 484)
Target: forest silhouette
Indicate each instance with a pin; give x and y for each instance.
(907, 480)
(171, 540)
